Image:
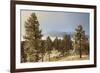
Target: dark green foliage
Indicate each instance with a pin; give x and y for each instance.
(80, 40)
(23, 55)
(56, 43)
(33, 38)
(35, 49)
(48, 46)
(42, 49)
(66, 45)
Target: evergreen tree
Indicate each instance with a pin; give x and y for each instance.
(67, 44)
(56, 43)
(33, 37)
(48, 46)
(79, 38)
(23, 55)
(43, 49)
(61, 47)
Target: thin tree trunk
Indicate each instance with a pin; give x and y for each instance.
(49, 56)
(42, 57)
(80, 53)
(80, 50)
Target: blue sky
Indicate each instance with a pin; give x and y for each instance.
(58, 21)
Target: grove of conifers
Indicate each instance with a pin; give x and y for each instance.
(35, 49)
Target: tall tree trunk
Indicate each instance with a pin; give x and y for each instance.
(49, 56)
(37, 57)
(42, 57)
(80, 50)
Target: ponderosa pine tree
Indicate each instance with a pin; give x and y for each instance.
(42, 49)
(32, 37)
(48, 46)
(56, 43)
(79, 38)
(64, 44)
(60, 47)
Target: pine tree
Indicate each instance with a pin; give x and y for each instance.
(67, 44)
(79, 38)
(60, 47)
(56, 43)
(23, 55)
(48, 46)
(43, 49)
(32, 37)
